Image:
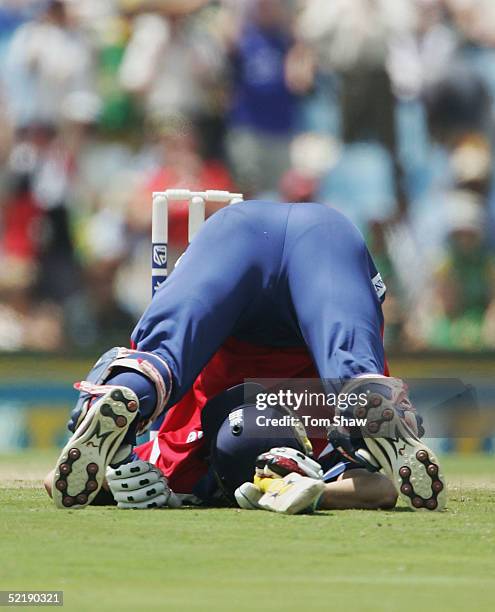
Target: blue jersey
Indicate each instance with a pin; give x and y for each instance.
(272, 274)
(261, 99)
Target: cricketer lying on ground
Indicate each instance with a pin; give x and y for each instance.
(290, 279)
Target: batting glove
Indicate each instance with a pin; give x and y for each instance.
(140, 485)
(281, 461)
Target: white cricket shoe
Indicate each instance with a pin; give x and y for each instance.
(391, 436)
(80, 469)
(414, 470)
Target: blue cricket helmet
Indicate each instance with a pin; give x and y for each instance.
(235, 437)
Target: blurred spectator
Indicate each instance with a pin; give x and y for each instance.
(424, 51)
(463, 317)
(120, 114)
(457, 103)
(180, 163)
(21, 213)
(49, 58)
(262, 112)
(24, 323)
(355, 39)
(171, 66)
(296, 186)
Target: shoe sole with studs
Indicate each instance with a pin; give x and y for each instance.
(80, 469)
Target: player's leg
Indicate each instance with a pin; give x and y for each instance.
(391, 440)
(122, 393)
(218, 281)
(80, 468)
(338, 310)
(329, 275)
(217, 285)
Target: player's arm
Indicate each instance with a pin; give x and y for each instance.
(360, 490)
(286, 481)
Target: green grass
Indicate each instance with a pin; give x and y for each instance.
(104, 558)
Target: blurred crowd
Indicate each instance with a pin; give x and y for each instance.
(381, 108)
